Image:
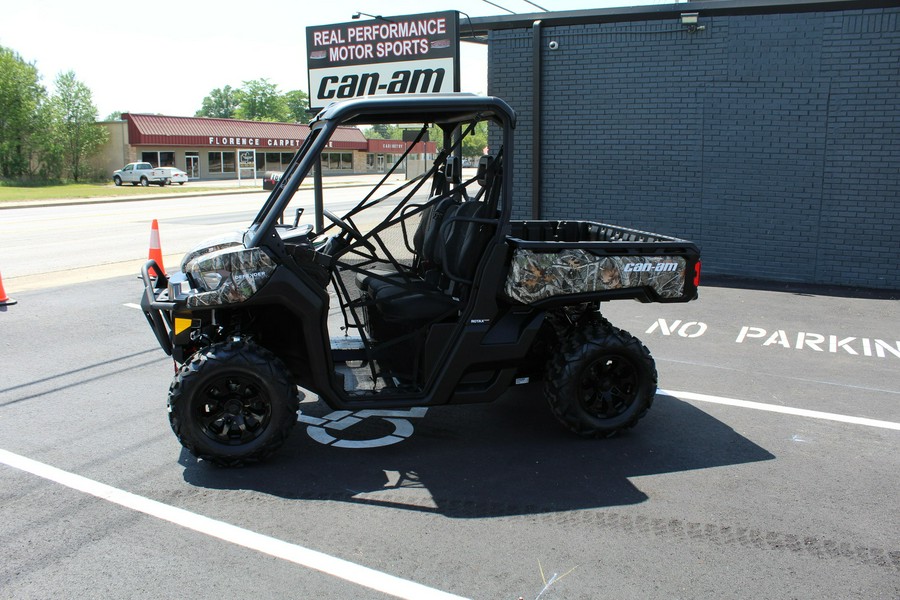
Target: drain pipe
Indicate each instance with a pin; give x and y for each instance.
(537, 83)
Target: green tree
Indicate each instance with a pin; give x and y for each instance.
(21, 95)
(297, 102)
(221, 103)
(76, 122)
(473, 145)
(50, 158)
(384, 131)
(260, 100)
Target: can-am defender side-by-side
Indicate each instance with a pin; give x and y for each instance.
(436, 296)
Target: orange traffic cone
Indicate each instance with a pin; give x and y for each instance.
(155, 249)
(4, 299)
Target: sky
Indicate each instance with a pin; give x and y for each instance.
(164, 58)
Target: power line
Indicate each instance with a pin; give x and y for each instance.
(500, 7)
(535, 5)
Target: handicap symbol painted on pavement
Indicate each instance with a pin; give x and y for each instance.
(340, 420)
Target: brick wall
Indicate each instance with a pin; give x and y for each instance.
(772, 140)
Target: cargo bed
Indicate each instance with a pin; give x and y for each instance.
(561, 262)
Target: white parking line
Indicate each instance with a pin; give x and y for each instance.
(787, 410)
(342, 569)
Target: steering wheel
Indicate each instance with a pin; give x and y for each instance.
(352, 232)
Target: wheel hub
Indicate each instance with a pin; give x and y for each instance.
(237, 410)
(609, 386)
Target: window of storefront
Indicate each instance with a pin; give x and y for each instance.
(337, 161)
(159, 159)
(277, 161)
(221, 162)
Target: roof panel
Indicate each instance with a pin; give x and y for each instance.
(161, 129)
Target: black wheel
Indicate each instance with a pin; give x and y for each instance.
(145, 182)
(601, 382)
(163, 182)
(117, 180)
(233, 403)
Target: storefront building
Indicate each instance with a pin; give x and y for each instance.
(217, 149)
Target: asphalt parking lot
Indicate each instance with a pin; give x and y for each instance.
(767, 467)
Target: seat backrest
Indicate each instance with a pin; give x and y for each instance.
(464, 240)
(427, 238)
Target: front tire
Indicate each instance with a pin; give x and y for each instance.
(117, 180)
(233, 403)
(601, 382)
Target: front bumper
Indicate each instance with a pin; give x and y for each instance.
(157, 306)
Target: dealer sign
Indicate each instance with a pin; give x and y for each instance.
(413, 54)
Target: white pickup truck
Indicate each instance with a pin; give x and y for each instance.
(143, 173)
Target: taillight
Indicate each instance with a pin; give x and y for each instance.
(697, 274)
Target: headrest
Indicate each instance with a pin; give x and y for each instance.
(485, 172)
(453, 172)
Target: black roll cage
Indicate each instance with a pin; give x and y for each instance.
(445, 110)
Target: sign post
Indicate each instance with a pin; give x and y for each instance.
(412, 54)
(247, 161)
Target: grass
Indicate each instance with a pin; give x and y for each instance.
(69, 191)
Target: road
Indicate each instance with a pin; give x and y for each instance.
(767, 468)
(85, 242)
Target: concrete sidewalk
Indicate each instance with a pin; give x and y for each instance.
(245, 186)
(249, 185)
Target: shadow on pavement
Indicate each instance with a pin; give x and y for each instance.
(506, 458)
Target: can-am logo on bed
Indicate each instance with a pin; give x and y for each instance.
(648, 267)
(413, 54)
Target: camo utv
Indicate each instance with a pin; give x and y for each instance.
(424, 291)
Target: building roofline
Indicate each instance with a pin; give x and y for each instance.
(480, 26)
(208, 119)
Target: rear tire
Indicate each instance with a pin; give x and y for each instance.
(601, 382)
(233, 403)
(145, 182)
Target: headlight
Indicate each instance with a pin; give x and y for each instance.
(228, 276)
(220, 242)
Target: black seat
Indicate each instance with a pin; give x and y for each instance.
(427, 246)
(398, 307)
(450, 242)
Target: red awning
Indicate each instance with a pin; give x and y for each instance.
(399, 147)
(160, 130)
